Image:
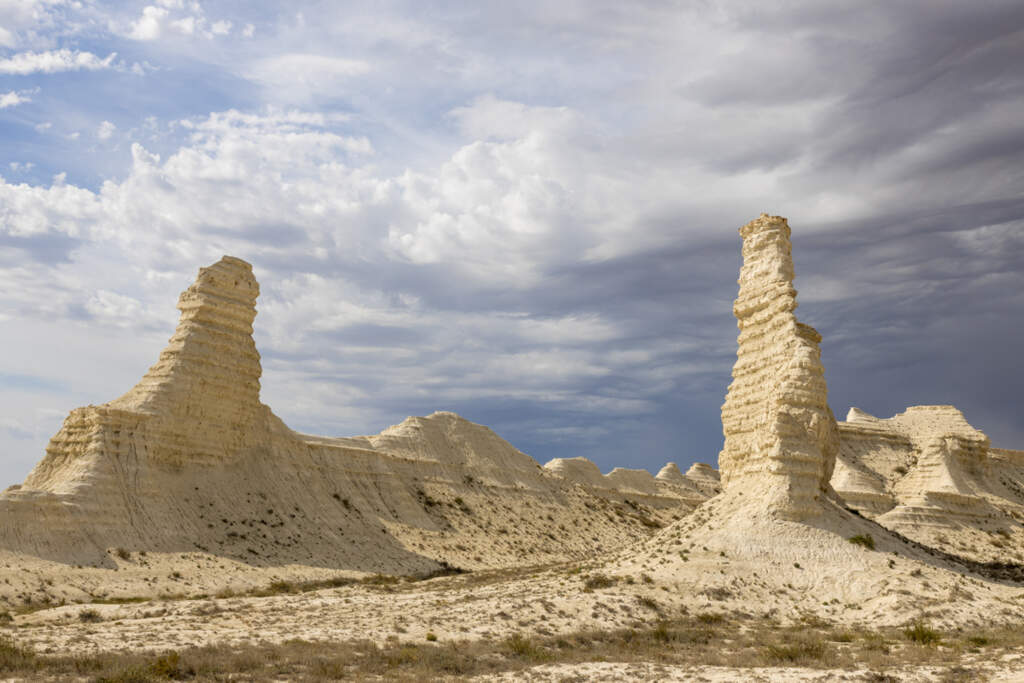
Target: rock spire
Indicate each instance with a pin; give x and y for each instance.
(780, 435)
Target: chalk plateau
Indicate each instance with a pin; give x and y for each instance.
(190, 460)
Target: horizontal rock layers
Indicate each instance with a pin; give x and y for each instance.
(926, 472)
(669, 489)
(780, 435)
(190, 459)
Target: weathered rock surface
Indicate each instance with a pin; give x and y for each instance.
(628, 484)
(930, 475)
(707, 478)
(780, 435)
(191, 460)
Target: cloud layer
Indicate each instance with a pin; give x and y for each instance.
(526, 214)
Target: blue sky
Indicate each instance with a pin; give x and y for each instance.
(523, 212)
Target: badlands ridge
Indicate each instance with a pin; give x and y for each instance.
(189, 473)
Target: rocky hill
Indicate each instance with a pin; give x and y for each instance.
(190, 461)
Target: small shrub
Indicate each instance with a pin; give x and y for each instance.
(865, 540)
(89, 616)
(799, 650)
(431, 637)
(649, 603)
(900, 470)
(710, 618)
(278, 587)
(521, 646)
(662, 633)
(921, 634)
(597, 581)
(123, 553)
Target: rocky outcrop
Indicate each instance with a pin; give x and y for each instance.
(780, 435)
(930, 475)
(706, 478)
(191, 460)
(622, 484)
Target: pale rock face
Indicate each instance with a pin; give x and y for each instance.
(705, 477)
(671, 473)
(189, 460)
(780, 435)
(628, 484)
(637, 480)
(930, 475)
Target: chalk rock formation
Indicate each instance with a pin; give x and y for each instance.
(780, 435)
(926, 472)
(672, 474)
(190, 459)
(706, 478)
(623, 484)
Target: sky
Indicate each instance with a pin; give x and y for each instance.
(526, 212)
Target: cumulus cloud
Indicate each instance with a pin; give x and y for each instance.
(105, 130)
(14, 98)
(54, 61)
(181, 18)
(149, 25)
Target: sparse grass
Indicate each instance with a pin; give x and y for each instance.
(802, 650)
(709, 639)
(865, 540)
(921, 634)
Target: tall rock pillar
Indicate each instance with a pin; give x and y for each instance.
(781, 438)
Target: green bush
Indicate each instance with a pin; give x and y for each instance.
(921, 634)
(863, 539)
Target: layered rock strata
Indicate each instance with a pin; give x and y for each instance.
(780, 435)
(621, 484)
(927, 472)
(190, 459)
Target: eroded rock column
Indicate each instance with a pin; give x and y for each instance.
(780, 435)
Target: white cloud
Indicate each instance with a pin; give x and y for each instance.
(249, 31)
(490, 117)
(298, 77)
(117, 309)
(13, 99)
(149, 25)
(29, 19)
(185, 25)
(54, 61)
(177, 17)
(106, 130)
